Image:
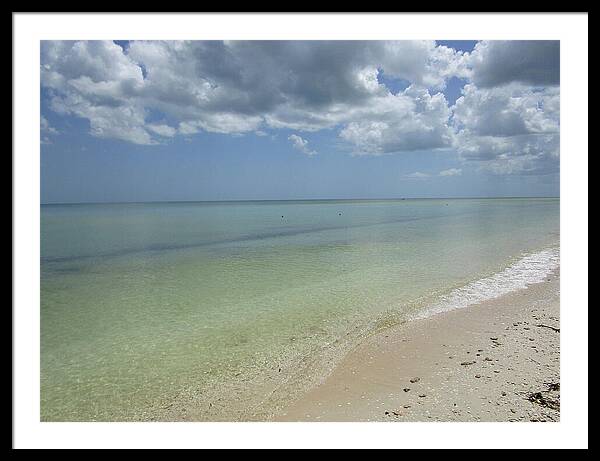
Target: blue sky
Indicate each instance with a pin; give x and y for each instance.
(154, 121)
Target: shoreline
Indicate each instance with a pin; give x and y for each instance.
(354, 377)
(497, 360)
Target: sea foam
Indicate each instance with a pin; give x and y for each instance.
(531, 268)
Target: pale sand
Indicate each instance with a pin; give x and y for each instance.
(523, 359)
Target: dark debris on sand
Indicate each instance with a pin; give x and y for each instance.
(548, 398)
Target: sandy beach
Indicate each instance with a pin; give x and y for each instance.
(494, 361)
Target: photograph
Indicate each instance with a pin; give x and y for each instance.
(307, 230)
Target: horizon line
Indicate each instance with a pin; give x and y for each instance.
(133, 202)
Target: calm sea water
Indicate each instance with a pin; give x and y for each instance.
(221, 311)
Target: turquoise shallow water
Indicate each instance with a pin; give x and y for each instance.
(213, 310)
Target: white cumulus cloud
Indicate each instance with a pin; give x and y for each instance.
(411, 120)
(417, 175)
(45, 126)
(162, 130)
(509, 129)
(507, 119)
(301, 145)
(532, 62)
(451, 172)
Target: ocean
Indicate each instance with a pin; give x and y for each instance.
(227, 310)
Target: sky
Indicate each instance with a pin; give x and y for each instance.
(135, 121)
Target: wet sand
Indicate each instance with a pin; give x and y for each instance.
(494, 361)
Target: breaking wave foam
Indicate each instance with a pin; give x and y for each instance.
(532, 268)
